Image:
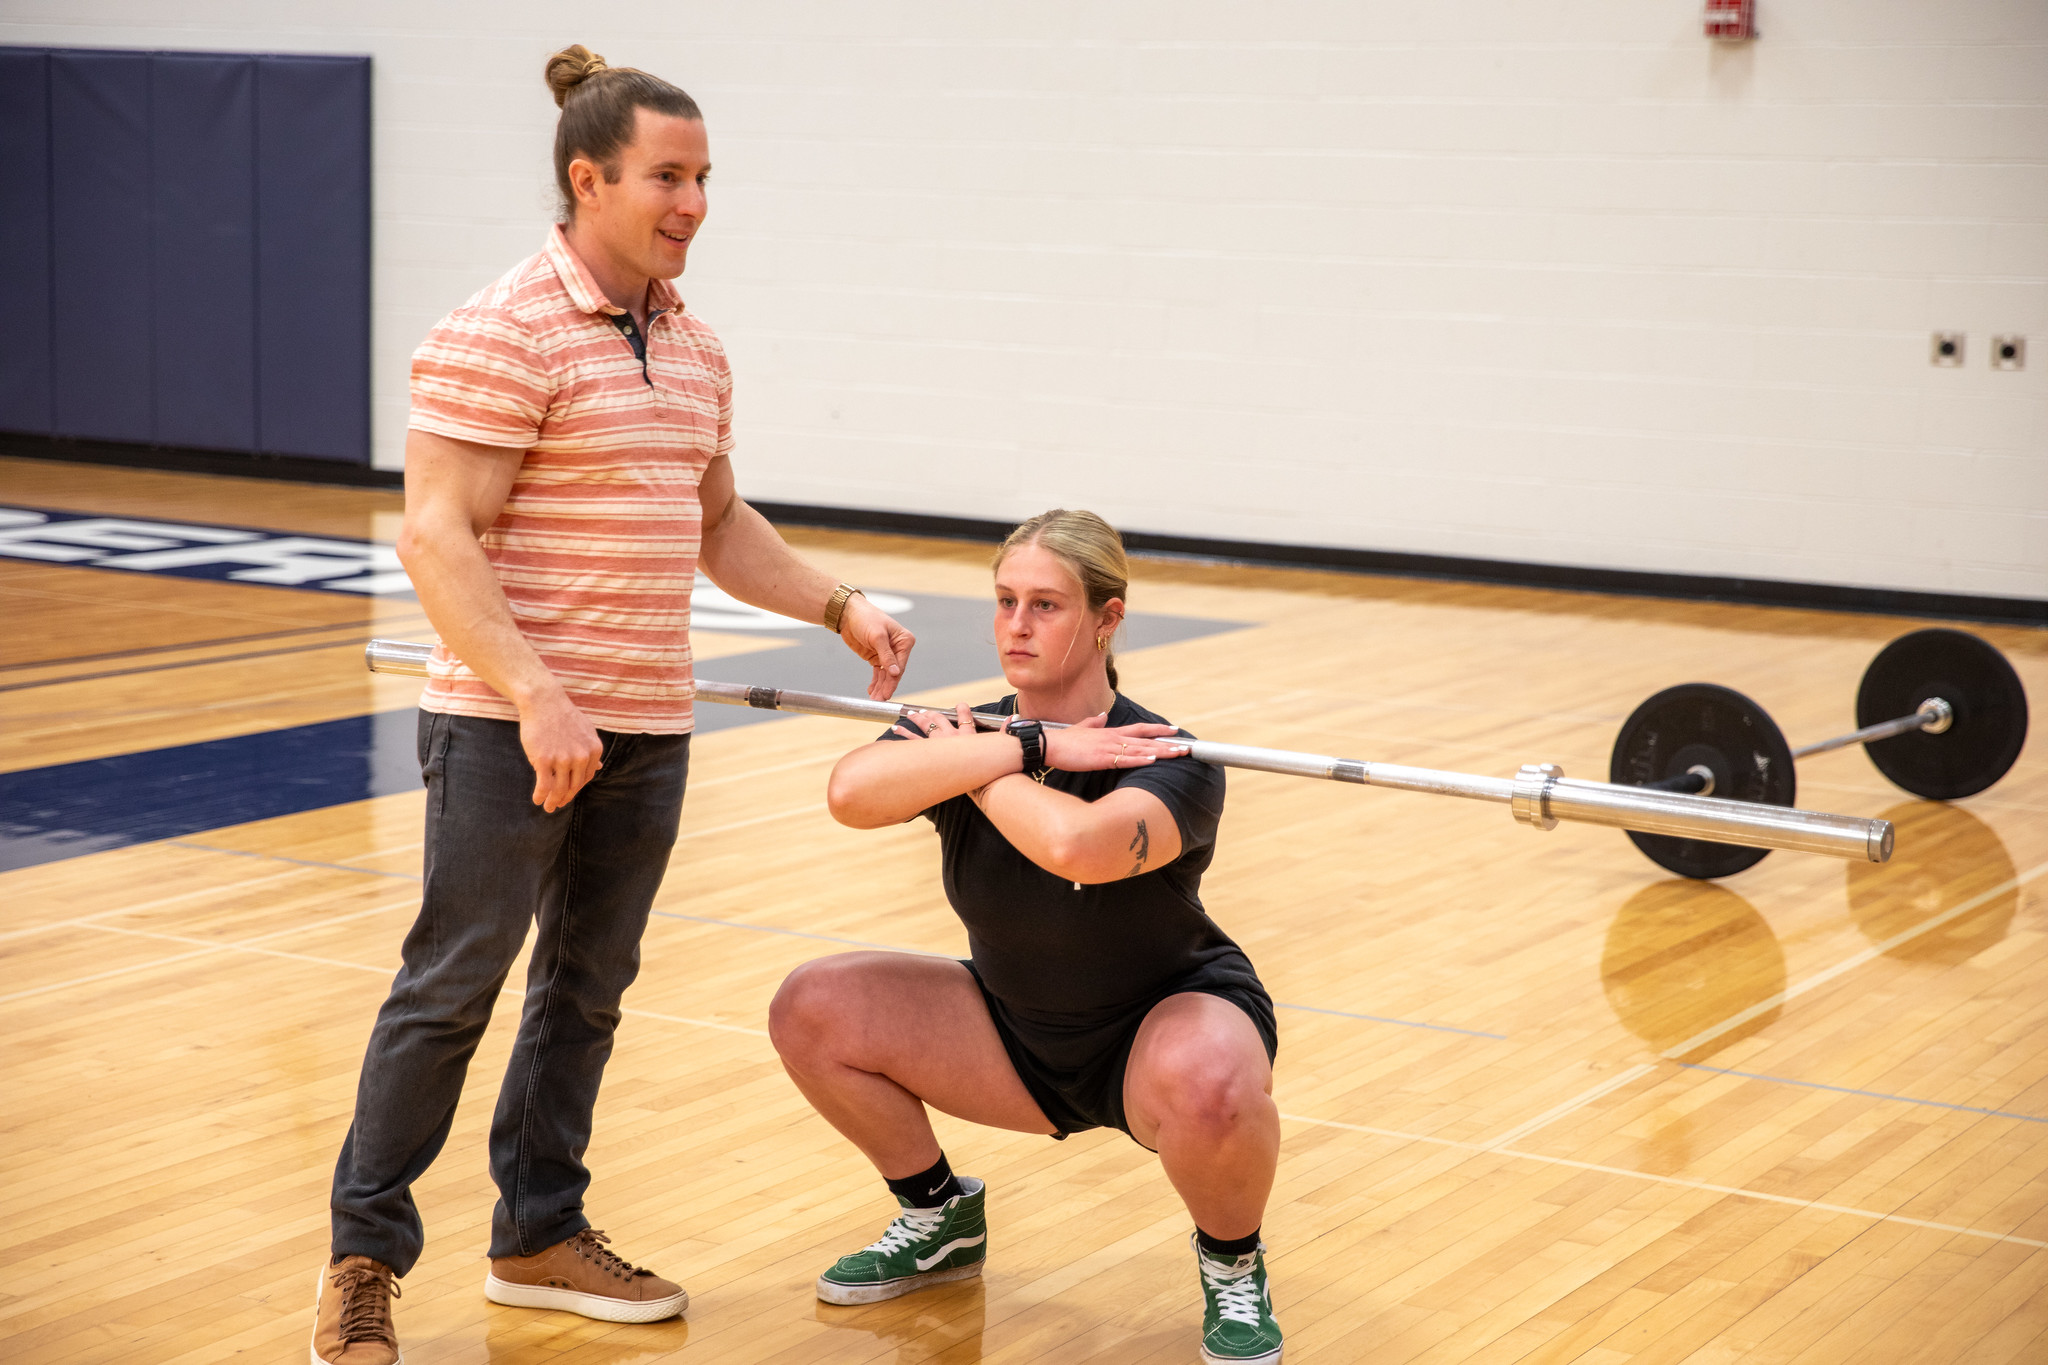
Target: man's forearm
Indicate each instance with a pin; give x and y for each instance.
(468, 610)
(745, 556)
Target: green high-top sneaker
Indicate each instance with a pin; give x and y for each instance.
(1237, 1309)
(923, 1247)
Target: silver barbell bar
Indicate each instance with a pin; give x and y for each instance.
(1539, 795)
(1934, 716)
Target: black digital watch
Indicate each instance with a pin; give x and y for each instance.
(1031, 735)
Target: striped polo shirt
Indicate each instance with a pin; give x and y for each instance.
(596, 547)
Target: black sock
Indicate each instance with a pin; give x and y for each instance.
(1228, 1248)
(928, 1189)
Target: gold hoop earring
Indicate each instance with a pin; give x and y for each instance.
(1101, 643)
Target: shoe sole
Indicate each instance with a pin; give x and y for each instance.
(318, 1359)
(589, 1305)
(1270, 1358)
(320, 1287)
(831, 1291)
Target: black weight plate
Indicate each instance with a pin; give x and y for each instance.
(1722, 730)
(1971, 676)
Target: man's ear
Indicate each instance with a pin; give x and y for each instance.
(583, 178)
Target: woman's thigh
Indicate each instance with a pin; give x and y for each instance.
(1194, 1052)
(920, 1021)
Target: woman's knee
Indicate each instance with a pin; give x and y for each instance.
(811, 1008)
(1199, 1093)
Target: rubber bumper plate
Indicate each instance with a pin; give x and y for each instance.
(1704, 724)
(1990, 706)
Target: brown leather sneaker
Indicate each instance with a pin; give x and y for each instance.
(583, 1275)
(352, 1317)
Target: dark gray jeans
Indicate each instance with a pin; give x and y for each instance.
(494, 863)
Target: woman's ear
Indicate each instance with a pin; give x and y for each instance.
(1112, 617)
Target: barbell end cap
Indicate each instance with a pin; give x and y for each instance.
(1881, 841)
(1939, 715)
(1531, 799)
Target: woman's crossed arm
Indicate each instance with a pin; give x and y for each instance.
(1127, 832)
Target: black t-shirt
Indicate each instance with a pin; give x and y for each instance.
(1051, 951)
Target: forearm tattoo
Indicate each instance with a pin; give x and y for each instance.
(1141, 845)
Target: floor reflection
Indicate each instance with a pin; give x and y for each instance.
(943, 1324)
(1946, 858)
(1682, 956)
(521, 1338)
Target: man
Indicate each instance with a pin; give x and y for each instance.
(567, 472)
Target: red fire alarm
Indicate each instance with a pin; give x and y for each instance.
(1730, 18)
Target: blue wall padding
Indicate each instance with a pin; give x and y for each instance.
(203, 248)
(24, 240)
(185, 249)
(100, 324)
(313, 255)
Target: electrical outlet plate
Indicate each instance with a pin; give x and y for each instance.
(1946, 349)
(2009, 352)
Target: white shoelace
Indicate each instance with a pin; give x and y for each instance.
(911, 1226)
(1237, 1290)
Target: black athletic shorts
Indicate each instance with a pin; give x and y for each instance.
(1074, 1065)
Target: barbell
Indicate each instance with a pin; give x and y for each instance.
(1539, 794)
(1940, 712)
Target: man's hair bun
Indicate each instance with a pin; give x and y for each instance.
(569, 68)
(605, 113)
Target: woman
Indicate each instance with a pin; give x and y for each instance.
(1099, 993)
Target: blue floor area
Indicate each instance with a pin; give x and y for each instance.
(74, 808)
(70, 809)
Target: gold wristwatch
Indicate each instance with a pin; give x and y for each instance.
(835, 610)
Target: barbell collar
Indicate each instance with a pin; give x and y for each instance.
(1531, 800)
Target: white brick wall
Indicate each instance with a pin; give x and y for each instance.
(1563, 282)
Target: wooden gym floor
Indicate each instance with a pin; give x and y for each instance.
(1543, 1103)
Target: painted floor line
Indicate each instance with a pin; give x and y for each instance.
(297, 862)
(1848, 964)
(66, 984)
(217, 642)
(800, 933)
(182, 663)
(1873, 1094)
(752, 773)
(311, 926)
(1512, 1135)
(251, 946)
(1495, 1147)
(1388, 1019)
(813, 808)
(1627, 1076)
(156, 904)
(830, 938)
(1491, 1149)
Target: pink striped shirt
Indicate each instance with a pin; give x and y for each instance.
(597, 545)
